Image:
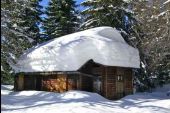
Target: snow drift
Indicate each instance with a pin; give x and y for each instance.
(104, 45)
(81, 101)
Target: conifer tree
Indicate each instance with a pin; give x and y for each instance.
(62, 18)
(153, 18)
(31, 19)
(105, 13)
(18, 31)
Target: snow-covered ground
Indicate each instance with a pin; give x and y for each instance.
(82, 102)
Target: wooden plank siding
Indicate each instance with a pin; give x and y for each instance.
(114, 89)
(29, 82)
(86, 83)
(128, 81)
(54, 82)
(109, 82)
(120, 82)
(21, 82)
(16, 82)
(100, 70)
(116, 82)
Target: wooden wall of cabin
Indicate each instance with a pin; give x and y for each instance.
(128, 81)
(100, 71)
(86, 83)
(25, 82)
(49, 82)
(19, 82)
(111, 87)
(87, 68)
(117, 82)
(109, 77)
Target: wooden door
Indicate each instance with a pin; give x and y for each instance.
(119, 86)
(120, 83)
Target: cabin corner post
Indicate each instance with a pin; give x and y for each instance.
(80, 82)
(133, 86)
(106, 81)
(105, 88)
(132, 78)
(16, 82)
(66, 82)
(20, 81)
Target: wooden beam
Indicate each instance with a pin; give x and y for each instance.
(66, 82)
(106, 79)
(49, 73)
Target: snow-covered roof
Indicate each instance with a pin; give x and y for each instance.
(104, 45)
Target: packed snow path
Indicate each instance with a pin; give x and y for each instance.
(79, 101)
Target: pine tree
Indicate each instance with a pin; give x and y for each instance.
(34, 15)
(18, 31)
(13, 41)
(106, 13)
(31, 16)
(154, 21)
(62, 18)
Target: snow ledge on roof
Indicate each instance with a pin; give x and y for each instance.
(104, 45)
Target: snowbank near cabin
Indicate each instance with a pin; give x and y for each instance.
(80, 101)
(104, 45)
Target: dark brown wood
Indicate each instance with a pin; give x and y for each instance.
(29, 82)
(86, 83)
(38, 82)
(116, 82)
(128, 82)
(109, 82)
(20, 82)
(16, 82)
(72, 82)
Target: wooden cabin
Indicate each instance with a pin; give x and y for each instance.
(111, 81)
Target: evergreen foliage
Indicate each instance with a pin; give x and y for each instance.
(153, 18)
(152, 39)
(19, 31)
(62, 18)
(112, 13)
(31, 17)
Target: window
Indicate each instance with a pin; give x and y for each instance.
(119, 77)
(97, 85)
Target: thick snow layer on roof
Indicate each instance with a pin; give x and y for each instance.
(104, 45)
